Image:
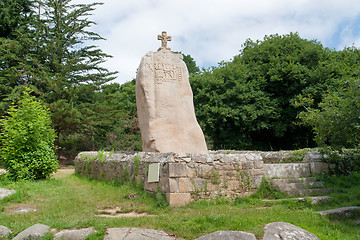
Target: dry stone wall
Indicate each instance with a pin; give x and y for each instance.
(187, 177)
(182, 177)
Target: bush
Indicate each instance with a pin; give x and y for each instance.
(27, 140)
(344, 161)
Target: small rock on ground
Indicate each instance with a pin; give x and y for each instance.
(4, 232)
(286, 231)
(6, 192)
(35, 231)
(23, 210)
(136, 233)
(228, 235)
(76, 234)
(339, 212)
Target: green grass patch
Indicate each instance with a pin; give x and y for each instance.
(69, 201)
(346, 191)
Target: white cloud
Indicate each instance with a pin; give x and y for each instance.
(212, 31)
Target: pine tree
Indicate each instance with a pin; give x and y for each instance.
(71, 70)
(15, 16)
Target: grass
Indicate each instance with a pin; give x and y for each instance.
(69, 201)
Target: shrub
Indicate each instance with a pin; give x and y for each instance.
(344, 161)
(27, 140)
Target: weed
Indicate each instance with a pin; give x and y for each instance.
(225, 183)
(111, 152)
(197, 191)
(244, 180)
(298, 155)
(136, 165)
(101, 156)
(266, 191)
(214, 177)
(296, 204)
(124, 176)
(246, 200)
(161, 199)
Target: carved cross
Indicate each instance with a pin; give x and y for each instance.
(164, 38)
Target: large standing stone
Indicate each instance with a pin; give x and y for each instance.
(165, 104)
(286, 231)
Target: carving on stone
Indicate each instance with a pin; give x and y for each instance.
(164, 38)
(165, 105)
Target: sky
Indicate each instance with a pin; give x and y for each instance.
(212, 31)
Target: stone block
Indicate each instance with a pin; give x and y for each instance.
(185, 185)
(233, 184)
(198, 184)
(228, 167)
(178, 199)
(178, 170)
(204, 170)
(248, 165)
(238, 165)
(164, 185)
(164, 170)
(259, 164)
(191, 172)
(210, 187)
(199, 158)
(173, 185)
(152, 187)
(257, 172)
(319, 167)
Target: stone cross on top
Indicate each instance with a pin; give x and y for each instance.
(164, 38)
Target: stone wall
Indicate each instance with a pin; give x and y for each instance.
(187, 177)
(182, 177)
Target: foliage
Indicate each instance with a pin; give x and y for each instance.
(13, 14)
(336, 122)
(52, 53)
(266, 191)
(14, 44)
(190, 64)
(109, 122)
(27, 140)
(346, 190)
(252, 101)
(343, 161)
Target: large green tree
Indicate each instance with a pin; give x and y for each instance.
(52, 53)
(71, 69)
(249, 102)
(15, 42)
(336, 122)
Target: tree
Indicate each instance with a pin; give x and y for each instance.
(70, 70)
(249, 102)
(27, 140)
(15, 17)
(111, 121)
(51, 54)
(336, 122)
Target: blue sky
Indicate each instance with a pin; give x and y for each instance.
(214, 30)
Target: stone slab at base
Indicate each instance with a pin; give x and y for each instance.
(178, 199)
